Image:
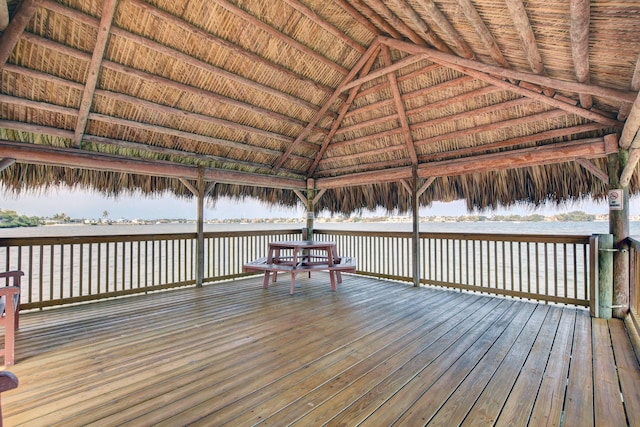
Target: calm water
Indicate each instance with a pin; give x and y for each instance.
(579, 228)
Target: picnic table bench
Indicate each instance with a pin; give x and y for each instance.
(307, 261)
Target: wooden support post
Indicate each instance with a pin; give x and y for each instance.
(310, 207)
(619, 228)
(605, 275)
(415, 207)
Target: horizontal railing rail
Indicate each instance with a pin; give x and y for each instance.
(539, 267)
(64, 270)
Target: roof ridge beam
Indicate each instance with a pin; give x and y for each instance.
(71, 157)
(108, 11)
(276, 33)
(467, 64)
(355, 70)
(10, 37)
(402, 116)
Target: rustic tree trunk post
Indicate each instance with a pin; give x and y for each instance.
(619, 227)
(605, 275)
(416, 227)
(310, 207)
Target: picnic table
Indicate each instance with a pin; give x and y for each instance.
(302, 256)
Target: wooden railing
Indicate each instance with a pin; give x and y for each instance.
(76, 269)
(65, 270)
(543, 268)
(633, 319)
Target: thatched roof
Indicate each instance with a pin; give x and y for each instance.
(492, 102)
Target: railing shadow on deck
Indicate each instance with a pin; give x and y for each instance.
(67, 270)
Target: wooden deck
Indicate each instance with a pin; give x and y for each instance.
(374, 353)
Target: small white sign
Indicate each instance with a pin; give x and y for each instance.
(616, 200)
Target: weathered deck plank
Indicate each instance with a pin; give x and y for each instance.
(373, 353)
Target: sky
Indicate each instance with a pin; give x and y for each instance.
(90, 205)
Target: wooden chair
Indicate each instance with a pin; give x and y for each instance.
(9, 314)
(8, 381)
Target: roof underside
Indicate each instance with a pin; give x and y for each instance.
(494, 103)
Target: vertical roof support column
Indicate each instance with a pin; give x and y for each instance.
(619, 227)
(200, 192)
(416, 226)
(311, 192)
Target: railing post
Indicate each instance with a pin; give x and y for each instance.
(605, 275)
(415, 207)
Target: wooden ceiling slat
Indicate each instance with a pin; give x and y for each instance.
(18, 23)
(580, 17)
(108, 11)
(275, 33)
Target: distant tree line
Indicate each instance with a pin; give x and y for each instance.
(10, 219)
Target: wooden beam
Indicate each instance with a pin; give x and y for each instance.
(69, 157)
(169, 83)
(580, 17)
(192, 189)
(523, 28)
(384, 71)
(461, 46)
(43, 130)
(369, 153)
(356, 69)
(631, 126)
(373, 16)
(630, 168)
(554, 102)
(454, 99)
(384, 84)
(366, 138)
(12, 34)
(625, 107)
(108, 11)
(528, 139)
(6, 162)
(362, 178)
(476, 22)
(397, 99)
(369, 167)
(219, 72)
(562, 85)
(318, 195)
(596, 171)
(407, 186)
(336, 124)
(368, 123)
(324, 24)
(430, 180)
(301, 196)
(355, 14)
(527, 157)
(280, 36)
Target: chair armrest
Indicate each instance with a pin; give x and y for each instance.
(12, 292)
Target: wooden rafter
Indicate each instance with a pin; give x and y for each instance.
(399, 25)
(324, 24)
(4, 15)
(625, 107)
(372, 16)
(355, 14)
(281, 36)
(356, 69)
(383, 71)
(632, 126)
(580, 17)
(16, 27)
(523, 27)
(483, 32)
(596, 171)
(209, 38)
(397, 99)
(461, 46)
(108, 11)
(5, 163)
(563, 85)
(341, 114)
(66, 157)
(430, 180)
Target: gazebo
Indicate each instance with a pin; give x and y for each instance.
(341, 104)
